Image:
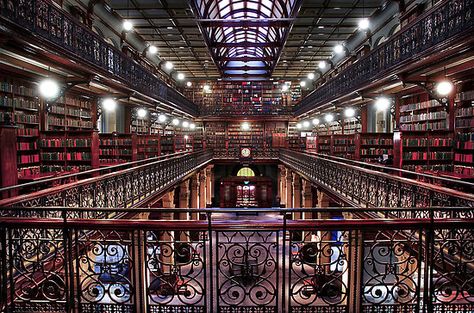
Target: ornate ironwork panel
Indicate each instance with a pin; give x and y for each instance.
(247, 271)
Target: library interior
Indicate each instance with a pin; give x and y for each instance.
(236, 156)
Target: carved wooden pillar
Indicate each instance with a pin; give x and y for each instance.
(202, 189)
(194, 194)
(325, 236)
(167, 238)
(307, 198)
(296, 195)
(8, 159)
(283, 191)
(209, 182)
(184, 193)
(289, 189)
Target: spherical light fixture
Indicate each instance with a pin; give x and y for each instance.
(49, 89)
(306, 124)
(364, 24)
(162, 118)
(315, 121)
(444, 88)
(284, 88)
(311, 76)
(141, 112)
(299, 126)
(349, 112)
(329, 117)
(382, 103)
(245, 126)
(206, 88)
(322, 65)
(186, 137)
(169, 65)
(175, 122)
(192, 126)
(109, 104)
(339, 48)
(185, 124)
(189, 84)
(127, 25)
(153, 49)
(302, 83)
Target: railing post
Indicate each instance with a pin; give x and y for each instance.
(140, 270)
(356, 255)
(3, 269)
(210, 280)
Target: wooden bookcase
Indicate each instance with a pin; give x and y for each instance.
(148, 146)
(116, 148)
(372, 146)
(464, 132)
(70, 112)
(69, 150)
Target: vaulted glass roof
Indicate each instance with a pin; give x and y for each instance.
(246, 36)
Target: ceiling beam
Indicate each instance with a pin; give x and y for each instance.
(244, 59)
(246, 44)
(245, 23)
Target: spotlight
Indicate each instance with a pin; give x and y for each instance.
(161, 118)
(186, 137)
(306, 124)
(245, 126)
(109, 104)
(364, 24)
(444, 88)
(349, 112)
(299, 125)
(127, 25)
(49, 89)
(152, 49)
(180, 76)
(339, 49)
(192, 126)
(322, 65)
(382, 103)
(141, 112)
(169, 65)
(206, 88)
(311, 76)
(185, 124)
(175, 122)
(189, 84)
(329, 117)
(315, 121)
(302, 83)
(284, 88)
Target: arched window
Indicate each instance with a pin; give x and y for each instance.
(246, 172)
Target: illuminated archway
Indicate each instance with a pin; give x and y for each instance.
(246, 172)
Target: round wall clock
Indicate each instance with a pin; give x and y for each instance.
(245, 152)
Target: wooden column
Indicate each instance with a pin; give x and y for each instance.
(194, 194)
(363, 118)
(209, 182)
(168, 237)
(202, 189)
(307, 198)
(296, 195)
(283, 191)
(289, 189)
(184, 193)
(8, 159)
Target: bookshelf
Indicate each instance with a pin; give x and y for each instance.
(69, 112)
(464, 132)
(343, 145)
(68, 151)
(18, 100)
(148, 146)
(324, 143)
(167, 144)
(116, 148)
(372, 146)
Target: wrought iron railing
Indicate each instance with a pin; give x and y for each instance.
(222, 109)
(254, 265)
(432, 31)
(365, 187)
(43, 19)
(124, 188)
(234, 154)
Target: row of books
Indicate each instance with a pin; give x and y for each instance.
(64, 168)
(424, 117)
(425, 167)
(465, 112)
(62, 142)
(115, 152)
(19, 103)
(466, 158)
(27, 159)
(24, 146)
(425, 142)
(28, 171)
(66, 156)
(376, 151)
(115, 142)
(20, 117)
(421, 105)
(465, 123)
(16, 88)
(441, 125)
(376, 142)
(27, 131)
(435, 155)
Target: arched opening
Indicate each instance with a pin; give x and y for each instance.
(246, 172)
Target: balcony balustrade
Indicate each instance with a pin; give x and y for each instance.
(222, 264)
(50, 23)
(434, 30)
(124, 188)
(360, 186)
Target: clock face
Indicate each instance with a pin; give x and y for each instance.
(245, 152)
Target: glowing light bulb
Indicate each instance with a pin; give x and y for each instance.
(382, 103)
(311, 76)
(175, 122)
(109, 104)
(189, 84)
(444, 88)
(329, 118)
(49, 88)
(364, 24)
(245, 126)
(322, 65)
(127, 25)
(180, 76)
(339, 49)
(161, 118)
(153, 49)
(302, 83)
(169, 65)
(141, 113)
(306, 124)
(315, 121)
(349, 112)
